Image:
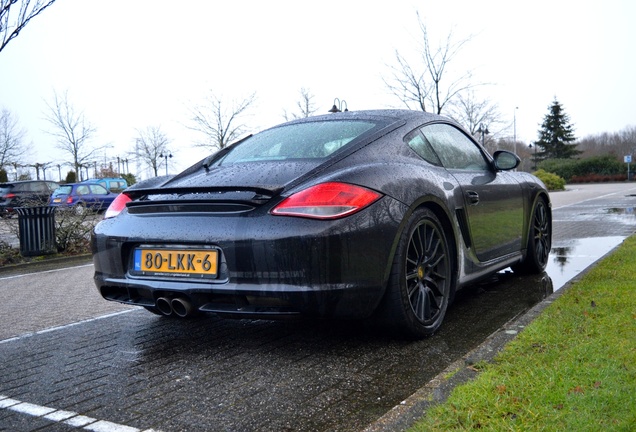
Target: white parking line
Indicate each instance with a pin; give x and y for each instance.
(45, 271)
(67, 417)
(48, 330)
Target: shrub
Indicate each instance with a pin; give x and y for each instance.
(598, 178)
(73, 231)
(598, 168)
(600, 165)
(564, 168)
(552, 181)
(8, 254)
(72, 235)
(130, 178)
(71, 177)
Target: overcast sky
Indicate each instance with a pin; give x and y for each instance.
(130, 64)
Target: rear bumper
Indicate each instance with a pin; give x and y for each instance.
(6, 211)
(249, 300)
(268, 267)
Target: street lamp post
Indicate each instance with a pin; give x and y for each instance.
(514, 127)
(483, 130)
(166, 156)
(338, 107)
(535, 155)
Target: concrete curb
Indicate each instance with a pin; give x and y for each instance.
(408, 412)
(436, 391)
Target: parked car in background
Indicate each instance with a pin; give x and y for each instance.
(381, 214)
(82, 197)
(111, 184)
(27, 193)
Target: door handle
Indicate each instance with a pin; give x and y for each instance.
(473, 197)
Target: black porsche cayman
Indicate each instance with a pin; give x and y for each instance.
(355, 214)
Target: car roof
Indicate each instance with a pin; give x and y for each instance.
(396, 114)
(103, 179)
(412, 118)
(26, 181)
(20, 182)
(84, 183)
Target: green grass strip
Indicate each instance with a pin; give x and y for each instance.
(572, 369)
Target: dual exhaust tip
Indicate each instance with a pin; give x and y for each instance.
(178, 306)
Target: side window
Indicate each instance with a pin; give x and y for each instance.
(82, 190)
(39, 187)
(455, 149)
(98, 190)
(422, 147)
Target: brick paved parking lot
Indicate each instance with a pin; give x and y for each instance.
(71, 361)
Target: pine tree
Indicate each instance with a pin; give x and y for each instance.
(556, 135)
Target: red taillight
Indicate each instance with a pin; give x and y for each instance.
(117, 205)
(69, 200)
(327, 201)
(9, 196)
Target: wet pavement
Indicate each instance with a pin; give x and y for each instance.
(124, 369)
(588, 222)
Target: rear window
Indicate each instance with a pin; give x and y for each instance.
(21, 187)
(313, 140)
(62, 190)
(117, 186)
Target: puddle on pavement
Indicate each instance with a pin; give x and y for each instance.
(568, 259)
(629, 211)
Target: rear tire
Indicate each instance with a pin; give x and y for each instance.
(421, 281)
(539, 241)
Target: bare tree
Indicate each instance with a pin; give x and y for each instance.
(408, 85)
(150, 146)
(72, 131)
(16, 14)
(472, 113)
(41, 166)
(306, 106)
(428, 86)
(620, 144)
(11, 139)
(220, 122)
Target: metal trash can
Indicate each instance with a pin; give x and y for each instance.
(37, 230)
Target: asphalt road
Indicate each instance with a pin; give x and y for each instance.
(70, 360)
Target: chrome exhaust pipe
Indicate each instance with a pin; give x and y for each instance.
(181, 307)
(164, 306)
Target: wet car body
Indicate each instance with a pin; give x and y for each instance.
(460, 224)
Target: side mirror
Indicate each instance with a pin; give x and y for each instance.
(505, 160)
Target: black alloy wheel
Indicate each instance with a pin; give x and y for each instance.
(421, 279)
(539, 241)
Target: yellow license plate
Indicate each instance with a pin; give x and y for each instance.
(185, 262)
